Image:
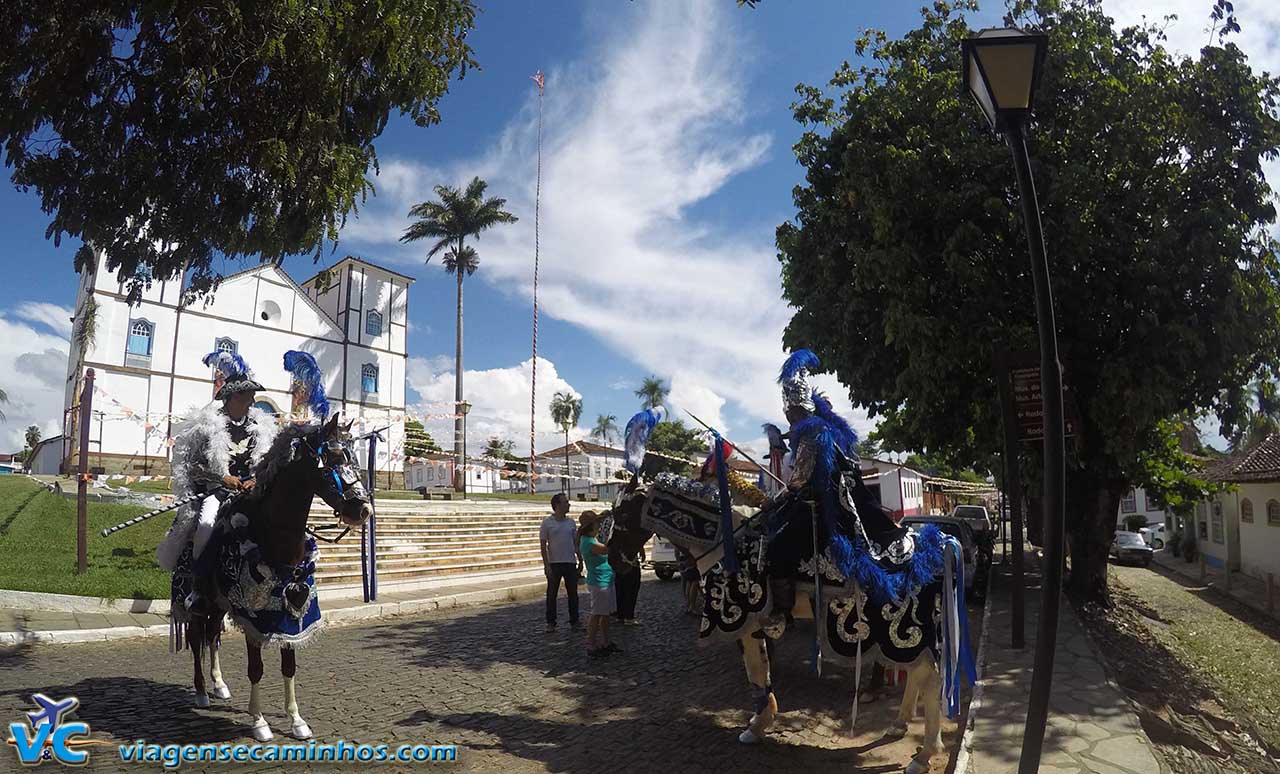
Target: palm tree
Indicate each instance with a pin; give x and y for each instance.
(457, 215)
(606, 427)
(652, 392)
(1262, 420)
(4, 398)
(566, 410)
(33, 436)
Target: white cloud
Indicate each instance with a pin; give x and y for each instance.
(33, 365)
(58, 318)
(649, 126)
(499, 400)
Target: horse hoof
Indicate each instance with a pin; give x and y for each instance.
(202, 700)
(261, 730)
(896, 731)
(300, 730)
(916, 767)
(748, 737)
(221, 692)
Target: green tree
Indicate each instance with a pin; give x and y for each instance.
(240, 129)
(458, 215)
(417, 441)
(606, 427)
(652, 393)
(868, 448)
(500, 449)
(33, 436)
(907, 261)
(4, 398)
(566, 410)
(1261, 417)
(674, 439)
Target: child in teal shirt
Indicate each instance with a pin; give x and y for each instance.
(595, 555)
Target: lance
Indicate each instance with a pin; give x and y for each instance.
(158, 511)
(745, 456)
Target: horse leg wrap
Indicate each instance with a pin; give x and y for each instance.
(260, 729)
(298, 728)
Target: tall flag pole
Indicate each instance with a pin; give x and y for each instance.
(539, 79)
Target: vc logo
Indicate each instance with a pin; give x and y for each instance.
(50, 736)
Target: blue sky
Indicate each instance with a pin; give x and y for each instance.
(667, 166)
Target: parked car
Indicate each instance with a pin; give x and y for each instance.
(976, 563)
(1154, 536)
(1130, 547)
(976, 515)
(663, 557)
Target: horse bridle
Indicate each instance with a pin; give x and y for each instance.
(342, 482)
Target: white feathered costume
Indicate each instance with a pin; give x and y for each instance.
(201, 457)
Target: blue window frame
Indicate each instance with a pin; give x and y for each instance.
(369, 378)
(373, 323)
(141, 332)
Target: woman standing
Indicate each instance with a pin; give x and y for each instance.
(595, 556)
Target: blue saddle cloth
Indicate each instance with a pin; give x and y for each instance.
(274, 604)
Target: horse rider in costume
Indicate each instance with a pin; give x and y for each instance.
(215, 455)
(820, 442)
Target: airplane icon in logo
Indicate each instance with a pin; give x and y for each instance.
(51, 712)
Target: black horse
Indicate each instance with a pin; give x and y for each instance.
(260, 562)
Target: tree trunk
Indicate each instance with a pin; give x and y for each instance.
(1091, 528)
(457, 386)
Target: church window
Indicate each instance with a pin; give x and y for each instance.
(138, 348)
(373, 323)
(369, 378)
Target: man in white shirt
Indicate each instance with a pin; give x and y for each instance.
(558, 540)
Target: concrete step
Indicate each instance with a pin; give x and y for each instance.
(413, 553)
(392, 574)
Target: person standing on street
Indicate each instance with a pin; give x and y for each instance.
(626, 577)
(560, 558)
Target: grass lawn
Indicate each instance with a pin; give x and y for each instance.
(1231, 647)
(38, 546)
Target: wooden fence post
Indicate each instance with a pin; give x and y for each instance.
(82, 491)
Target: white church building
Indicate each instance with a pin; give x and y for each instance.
(147, 358)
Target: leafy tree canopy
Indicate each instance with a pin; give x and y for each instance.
(166, 133)
(907, 261)
(417, 441)
(675, 439)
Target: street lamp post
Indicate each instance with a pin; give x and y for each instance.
(464, 408)
(1001, 70)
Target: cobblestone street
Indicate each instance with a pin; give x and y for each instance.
(488, 679)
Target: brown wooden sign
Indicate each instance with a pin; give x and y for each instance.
(1023, 373)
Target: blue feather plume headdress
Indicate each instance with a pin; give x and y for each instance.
(306, 373)
(228, 363)
(637, 435)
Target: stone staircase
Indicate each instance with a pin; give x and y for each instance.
(421, 541)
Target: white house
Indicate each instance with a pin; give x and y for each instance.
(1240, 528)
(434, 470)
(592, 470)
(1138, 503)
(46, 458)
(899, 488)
(147, 358)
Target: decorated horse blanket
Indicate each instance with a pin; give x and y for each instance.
(891, 610)
(273, 603)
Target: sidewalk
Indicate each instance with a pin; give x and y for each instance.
(1092, 727)
(62, 627)
(1245, 589)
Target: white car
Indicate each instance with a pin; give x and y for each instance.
(663, 557)
(1153, 535)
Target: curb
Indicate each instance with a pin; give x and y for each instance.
(335, 617)
(70, 603)
(975, 701)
